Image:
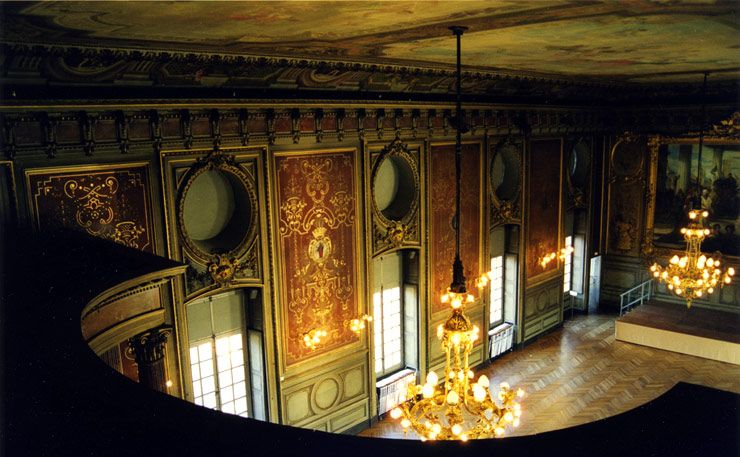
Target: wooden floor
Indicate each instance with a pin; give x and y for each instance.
(580, 374)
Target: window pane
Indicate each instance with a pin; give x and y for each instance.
(206, 368)
(208, 385)
(193, 355)
(228, 407)
(240, 390)
(240, 405)
(209, 400)
(237, 358)
(196, 389)
(224, 362)
(224, 378)
(222, 346)
(237, 375)
(204, 352)
(195, 371)
(235, 342)
(227, 394)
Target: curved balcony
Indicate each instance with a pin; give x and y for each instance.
(61, 399)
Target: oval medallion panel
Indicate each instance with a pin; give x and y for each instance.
(217, 209)
(506, 173)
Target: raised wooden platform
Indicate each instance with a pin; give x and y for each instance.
(694, 331)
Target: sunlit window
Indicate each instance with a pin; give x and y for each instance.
(388, 330)
(226, 391)
(497, 290)
(568, 262)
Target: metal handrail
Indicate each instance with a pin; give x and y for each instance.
(640, 299)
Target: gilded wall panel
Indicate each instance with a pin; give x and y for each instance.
(318, 248)
(107, 201)
(442, 214)
(544, 207)
(629, 194)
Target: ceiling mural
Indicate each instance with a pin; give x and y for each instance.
(627, 41)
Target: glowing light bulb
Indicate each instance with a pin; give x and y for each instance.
(692, 215)
(432, 378)
(453, 397)
(428, 391)
(504, 385)
(516, 422)
(519, 393)
(456, 429)
(436, 428)
(731, 271)
(479, 393)
(674, 259)
(698, 293)
(499, 432)
(395, 413)
(463, 437)
(509, 417)
(484, 381)
(704, 214)
(405, 423)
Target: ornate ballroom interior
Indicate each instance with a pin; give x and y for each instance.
(220, 209)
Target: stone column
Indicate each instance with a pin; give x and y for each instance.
(149, 350)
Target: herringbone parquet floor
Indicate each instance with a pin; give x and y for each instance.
(579, 374)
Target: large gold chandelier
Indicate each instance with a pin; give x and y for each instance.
(693, 275)
(440, 412)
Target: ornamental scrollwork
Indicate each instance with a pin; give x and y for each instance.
(505, 213)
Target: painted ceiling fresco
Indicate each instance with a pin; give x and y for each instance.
(628, 40)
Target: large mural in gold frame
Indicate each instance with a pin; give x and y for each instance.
(107, 201)
(442, 212)
(317, 248)
(720, 164)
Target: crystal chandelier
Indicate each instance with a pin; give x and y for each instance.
(694, 274)
(440, 412)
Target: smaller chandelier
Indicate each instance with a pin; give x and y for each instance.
(312, 337)
(358, 324)
(694, 274)
(547, 258)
